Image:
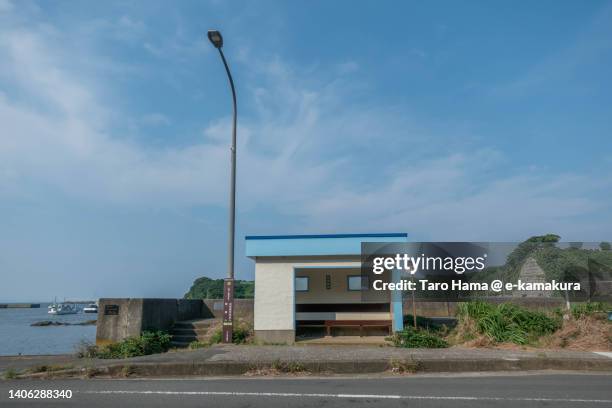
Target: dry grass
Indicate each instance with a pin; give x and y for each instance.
(464, 332)
(49, 368)
(403, 366)
(90, 372)
(587, 333)
(127, 371)
(279, 368)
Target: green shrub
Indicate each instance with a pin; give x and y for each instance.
(507, 322)
(474, 310)
(147, 343)
(410, 338)
(216, 337)
(240, 335)
(155, 342)
(10, 374)
(198, 345)
(130, 347)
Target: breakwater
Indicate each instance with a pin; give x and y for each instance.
(19, 305)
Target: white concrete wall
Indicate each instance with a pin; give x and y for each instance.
(274, 296)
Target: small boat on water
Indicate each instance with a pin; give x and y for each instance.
(91, 308)
(62, 309)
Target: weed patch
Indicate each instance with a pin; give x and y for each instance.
(588, 309)
(49, 368)
(194, 345)
(403, 366)
(410, 338)
(290, 367)
(127, 371)
(506, 322)
(90, 372)
(241, 334)
(86, 349)
(10, 374)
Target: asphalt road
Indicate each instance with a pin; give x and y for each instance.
(527, 390)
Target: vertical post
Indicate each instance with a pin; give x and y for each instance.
(228, 310)
(228, 287)
(397, 303)
(414, 316)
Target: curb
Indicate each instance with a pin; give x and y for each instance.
(204, 369)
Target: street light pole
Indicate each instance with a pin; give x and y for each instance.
(228, 288)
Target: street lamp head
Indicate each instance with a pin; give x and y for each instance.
(215, 38)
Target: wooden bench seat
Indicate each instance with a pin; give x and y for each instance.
(358, 323)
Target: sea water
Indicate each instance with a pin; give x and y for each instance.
(17, 336)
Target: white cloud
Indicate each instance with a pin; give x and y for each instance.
(308, 153)
(438, 201)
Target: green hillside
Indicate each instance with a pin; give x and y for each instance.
(554, 261)
(207, 288)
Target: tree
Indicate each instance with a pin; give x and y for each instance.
(605, 246)
(548, 238)
(207, 288)
(526, 248)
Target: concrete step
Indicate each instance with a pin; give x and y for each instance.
(193, 324)
(184, 332)
(187, 337)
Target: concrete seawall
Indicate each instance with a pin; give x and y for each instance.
(129, 317)
(243, 308)
(122, 318)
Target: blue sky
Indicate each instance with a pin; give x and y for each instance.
(449, 121)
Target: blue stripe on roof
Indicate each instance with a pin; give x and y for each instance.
(381, 235)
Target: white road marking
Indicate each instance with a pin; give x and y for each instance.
(356, 396)
(604, 353)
